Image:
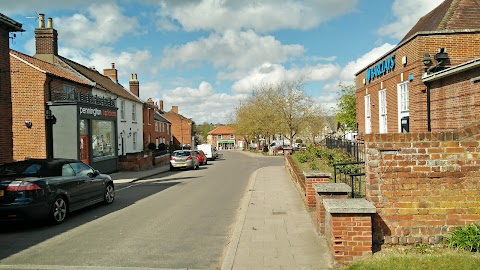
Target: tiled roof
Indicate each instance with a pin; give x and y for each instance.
(159, 117)
(449, 15)
(103, 81)
(222, 130)
(48, 68)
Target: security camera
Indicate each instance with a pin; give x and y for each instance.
(28, 124)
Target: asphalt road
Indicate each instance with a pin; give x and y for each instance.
(176, 220)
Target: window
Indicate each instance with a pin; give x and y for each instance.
(232, 136)
(368, 115)
(162, 127)
(382, 98)
(69, 92)
(80, 169)
(134, 137)
(122, 110)
(403, 103)
(103, 140)
(219, 136)
(134, 112)
(156, 126)
(148, 116)
(148, 139)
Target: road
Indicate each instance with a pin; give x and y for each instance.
(176, 220)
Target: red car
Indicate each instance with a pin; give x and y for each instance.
(202, 158)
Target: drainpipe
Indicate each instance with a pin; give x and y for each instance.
(429, 127)
(50, 120)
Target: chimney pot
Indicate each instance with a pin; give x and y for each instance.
(50, 23)
(113, 65)
(41, 20)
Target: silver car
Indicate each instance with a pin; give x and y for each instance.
(184, 159)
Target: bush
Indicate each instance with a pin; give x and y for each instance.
(162, 147)
(465, 238)
(151, 146)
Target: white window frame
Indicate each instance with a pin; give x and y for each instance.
(156, 126)
(403, 102)
(122, 110)
(382, 111)
(134, 139)
(134, 112)
(368, 115)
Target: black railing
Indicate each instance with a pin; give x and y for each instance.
(352, 174)
(83, 98)
(355, 149)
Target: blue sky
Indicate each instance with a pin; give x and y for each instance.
(205, 56)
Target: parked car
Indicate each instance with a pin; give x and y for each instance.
(50, 188)
(202, 158)
(186, 159)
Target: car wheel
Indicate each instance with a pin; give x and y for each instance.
(109, 194)
(59, 210)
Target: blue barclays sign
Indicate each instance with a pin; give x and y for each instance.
(381, 68)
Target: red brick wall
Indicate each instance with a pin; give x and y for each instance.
(181, 128)
(320, 209)
(6, 142)
(349, 236)
(423, 184)
(460, 47)
(311, 194)
(135, 162)
(455, 101)
(148, 127)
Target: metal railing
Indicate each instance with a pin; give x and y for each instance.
(355, 149)
(84, 98)
(352, 174)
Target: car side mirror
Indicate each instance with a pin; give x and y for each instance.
(94, 173)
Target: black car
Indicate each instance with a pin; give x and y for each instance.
(50, 188)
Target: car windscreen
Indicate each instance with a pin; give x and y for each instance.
(181, 154)
(24, 168)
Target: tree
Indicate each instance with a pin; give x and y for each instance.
(346, 107)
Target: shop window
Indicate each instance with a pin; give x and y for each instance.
(134, 112)
(403, 107)
(122, 110)
(102, 136)
(382, 98)
(368, 115)
(134, 137)
(69, 92)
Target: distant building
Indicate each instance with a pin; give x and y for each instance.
(224, 137)
(182, 127)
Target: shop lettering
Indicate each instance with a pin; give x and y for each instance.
(97, 112)
(381, 68)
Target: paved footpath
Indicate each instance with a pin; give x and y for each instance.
(274, 229)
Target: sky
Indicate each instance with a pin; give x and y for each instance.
(207, 56)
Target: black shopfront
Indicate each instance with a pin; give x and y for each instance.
(86, 129)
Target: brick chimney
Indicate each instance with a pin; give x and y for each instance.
(112, 73)
(134, 85)
(46, 40)
(175, 109)
(161, 105)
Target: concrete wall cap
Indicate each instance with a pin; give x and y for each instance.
(345, 206)
(332, 188)
(315, 173)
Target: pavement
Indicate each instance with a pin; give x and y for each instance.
(274, 229)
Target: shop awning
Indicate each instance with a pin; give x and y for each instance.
(226, 141)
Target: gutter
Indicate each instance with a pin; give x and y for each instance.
(452, 70)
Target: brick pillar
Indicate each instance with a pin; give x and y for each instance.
(327, 191)
(348, 228)
(312, 177)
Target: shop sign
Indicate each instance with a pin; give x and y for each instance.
(96, 112)
(381, 68)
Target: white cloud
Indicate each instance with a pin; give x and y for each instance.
(103, 23)
(32, 7)
(347, 74)
(407, 13)
(233, 50)
(262, 16)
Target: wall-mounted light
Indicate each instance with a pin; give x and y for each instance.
(427, 60)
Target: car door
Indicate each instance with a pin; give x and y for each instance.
(71, 184)
(92, 186)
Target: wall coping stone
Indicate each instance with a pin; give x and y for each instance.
(346, 206)
(332, 188)
(316, 173)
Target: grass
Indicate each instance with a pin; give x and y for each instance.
(422, 257)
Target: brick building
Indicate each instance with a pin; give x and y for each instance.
(417, 110)
(224, 137)
(182, 128)
(156, 128)
(391, 89)
(7, 25)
